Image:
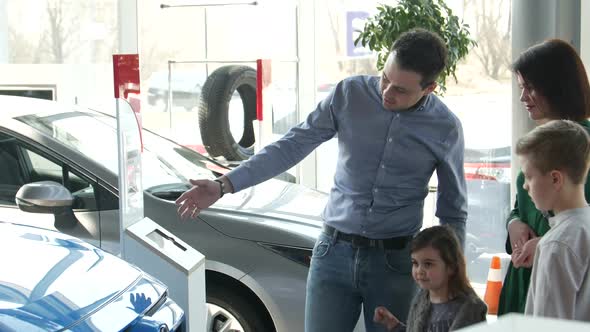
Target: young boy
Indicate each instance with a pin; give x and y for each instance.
(555, 159)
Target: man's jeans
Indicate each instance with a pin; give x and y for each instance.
(342, 277)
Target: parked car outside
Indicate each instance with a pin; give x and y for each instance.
(186, 89)
(50, 281)
(257, 243)
(488, 174)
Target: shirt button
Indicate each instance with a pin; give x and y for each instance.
(390, 139)
(371, 210)
(382, 165)
(376, 190)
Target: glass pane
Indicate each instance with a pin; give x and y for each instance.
(11, 177)
(41, 165)
(481, 98)
(337, 58)
(188, 43)
(63, 48)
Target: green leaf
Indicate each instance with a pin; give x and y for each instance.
(382, 29)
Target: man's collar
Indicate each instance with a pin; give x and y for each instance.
(419, 105)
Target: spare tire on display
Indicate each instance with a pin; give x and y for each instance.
(215, 115)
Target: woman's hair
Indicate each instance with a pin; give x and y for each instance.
(554, 69)
(444, 240)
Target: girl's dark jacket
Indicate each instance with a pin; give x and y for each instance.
(472, 310)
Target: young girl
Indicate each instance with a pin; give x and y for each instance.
(446, 301)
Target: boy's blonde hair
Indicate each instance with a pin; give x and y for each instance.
(558, 145)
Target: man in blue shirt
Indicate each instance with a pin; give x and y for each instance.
(393, 133)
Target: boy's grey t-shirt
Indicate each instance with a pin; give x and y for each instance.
(562, 258)
(441, 316)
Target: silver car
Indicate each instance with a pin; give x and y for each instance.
(257, 243)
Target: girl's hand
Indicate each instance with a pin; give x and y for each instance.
(519, 233)
(524, 257)
(385, 318)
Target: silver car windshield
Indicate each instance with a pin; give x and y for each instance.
(94, 135)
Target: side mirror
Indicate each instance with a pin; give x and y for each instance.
(44, 197)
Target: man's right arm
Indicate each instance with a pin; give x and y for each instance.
(280, 156)
(272, 160)
(228, 187)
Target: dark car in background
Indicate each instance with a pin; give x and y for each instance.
(186, 89)
(488, 175)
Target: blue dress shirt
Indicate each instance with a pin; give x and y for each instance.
(385, 161)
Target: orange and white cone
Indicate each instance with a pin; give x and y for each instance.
(494, 286)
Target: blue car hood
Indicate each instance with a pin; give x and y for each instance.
(50, 281)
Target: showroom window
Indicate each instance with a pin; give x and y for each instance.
(182, 46)
(481, 98)
(64, 45)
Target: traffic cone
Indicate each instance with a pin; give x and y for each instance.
(494, 286)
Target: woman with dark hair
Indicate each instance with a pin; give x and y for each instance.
(553, 85)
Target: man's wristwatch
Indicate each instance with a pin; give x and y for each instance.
(221, 187)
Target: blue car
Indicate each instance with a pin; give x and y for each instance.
(50, 281)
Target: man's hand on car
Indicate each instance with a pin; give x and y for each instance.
(203, 194)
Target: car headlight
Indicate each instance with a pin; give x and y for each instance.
(299, 255)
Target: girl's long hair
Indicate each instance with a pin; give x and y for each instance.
(444, 240)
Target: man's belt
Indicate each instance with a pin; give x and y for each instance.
(359, 241)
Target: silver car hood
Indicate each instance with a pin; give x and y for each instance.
(272, 212)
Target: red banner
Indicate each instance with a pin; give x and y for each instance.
(126, 82)
(126, 74)
(263, 80)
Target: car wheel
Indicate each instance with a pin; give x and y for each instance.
(229, 312)
(215, 113)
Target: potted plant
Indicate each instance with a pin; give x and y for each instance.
(382, 29)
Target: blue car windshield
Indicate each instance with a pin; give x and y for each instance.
(94, 135)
